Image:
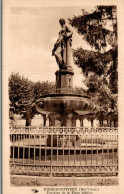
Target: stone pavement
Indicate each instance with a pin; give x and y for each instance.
(17, 180)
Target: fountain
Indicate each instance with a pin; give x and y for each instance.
(63, 107)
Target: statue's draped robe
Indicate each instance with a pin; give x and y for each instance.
(61, 45)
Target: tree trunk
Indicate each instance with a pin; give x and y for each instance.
(28, 116)
(91, 123)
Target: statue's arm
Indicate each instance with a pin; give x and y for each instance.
(55, 47)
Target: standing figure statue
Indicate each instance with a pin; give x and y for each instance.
(61, 49)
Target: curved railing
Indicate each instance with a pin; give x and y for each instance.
(63, 151)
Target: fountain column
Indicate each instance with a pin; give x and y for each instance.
(69, 120)
(68, 53)
(81, 122)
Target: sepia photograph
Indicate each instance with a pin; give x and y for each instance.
(60, 70)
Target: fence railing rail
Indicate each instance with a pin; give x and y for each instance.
(62, 151)
(65, 130)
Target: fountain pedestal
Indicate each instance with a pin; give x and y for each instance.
(64, 81)
(63, 106)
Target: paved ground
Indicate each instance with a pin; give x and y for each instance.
(17, 180)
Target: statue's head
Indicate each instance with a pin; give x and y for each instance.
(62, 21)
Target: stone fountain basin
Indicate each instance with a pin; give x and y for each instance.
(63, 104)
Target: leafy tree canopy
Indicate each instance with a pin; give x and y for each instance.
(99, 65)
(20, 91)
(23, 93)
(43, 88)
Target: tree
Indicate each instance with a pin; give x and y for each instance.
(43, 88)
(99, 65)
(23, 94)
(80, 91)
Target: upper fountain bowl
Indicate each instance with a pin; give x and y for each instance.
(64, 104)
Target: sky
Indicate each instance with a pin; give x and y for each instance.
(31, 34)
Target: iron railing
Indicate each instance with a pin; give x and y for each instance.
(52, 151)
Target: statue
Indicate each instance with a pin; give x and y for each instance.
(61, 49)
